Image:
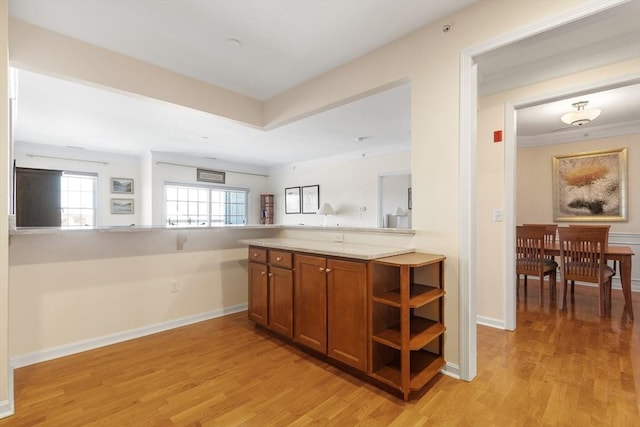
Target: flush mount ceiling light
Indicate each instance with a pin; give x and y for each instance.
(581, 116)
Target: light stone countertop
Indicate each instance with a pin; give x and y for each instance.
(346, 250)
(138, 228)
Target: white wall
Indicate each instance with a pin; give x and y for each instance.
(117, 166)
(183, 169)
(110, 283)
(148, 174)
(347, 184)
(6, 375)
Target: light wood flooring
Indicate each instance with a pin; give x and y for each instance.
(558, 369)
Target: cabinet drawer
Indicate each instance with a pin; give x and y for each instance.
(257, 254)
(280, 258)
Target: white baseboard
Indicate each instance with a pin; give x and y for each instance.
(490, 322)
(90, 344)
(451, 370)
(7, 407)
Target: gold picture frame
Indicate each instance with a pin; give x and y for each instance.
(590, 186)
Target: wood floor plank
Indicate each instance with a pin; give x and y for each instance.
(558, 368)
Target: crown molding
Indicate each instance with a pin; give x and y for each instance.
(574, 134)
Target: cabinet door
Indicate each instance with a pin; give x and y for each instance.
(310, 302)
(347, 312)
(258, 293)
(281, 301)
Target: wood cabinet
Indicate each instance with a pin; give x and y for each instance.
(310, 302)
(258, 286)
(383, 317)
(407, 320)
(347, 312)
(266, 208)
(271, 289)
(280, 307)
(330, 307)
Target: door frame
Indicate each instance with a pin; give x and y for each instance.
(467, 226)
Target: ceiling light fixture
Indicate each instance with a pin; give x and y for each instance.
(580, 117)
(362, 138)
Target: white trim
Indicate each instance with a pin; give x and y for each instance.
(468, 117)
(491, 322)
(467, 226)
(7, 407)
(93, 343)
(451, 370)
(509, 302)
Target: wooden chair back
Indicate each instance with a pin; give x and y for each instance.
(530, 249)
(550, 232)
(582, 253)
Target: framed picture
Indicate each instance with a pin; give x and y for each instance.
(122, 185)
(590, 186)
(292, 200)
(310, 199)
(205, 175)
(121, 206)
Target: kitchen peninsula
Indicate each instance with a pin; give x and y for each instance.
(377, 310)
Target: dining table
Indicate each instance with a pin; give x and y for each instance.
(623, 255)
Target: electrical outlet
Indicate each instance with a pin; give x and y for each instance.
(174, 287)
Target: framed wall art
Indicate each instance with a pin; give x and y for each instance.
(590, 186)
(310, 199)
(121, 206)
(292, 200)
(122, 185)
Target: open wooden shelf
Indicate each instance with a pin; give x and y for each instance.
(424, 366)
(407, 320)
(420, 295)
(422, 332)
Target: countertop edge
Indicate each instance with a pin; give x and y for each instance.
(346, 251)
(135, 229)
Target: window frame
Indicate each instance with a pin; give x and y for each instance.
(209, 188)
(95, 176)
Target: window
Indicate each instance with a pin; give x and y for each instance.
(78, 199)
(194, 206)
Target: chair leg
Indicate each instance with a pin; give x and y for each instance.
(573, 286)
(603, 292)
(563, 305)
(608, 298)
(552, 285)
(525, 284)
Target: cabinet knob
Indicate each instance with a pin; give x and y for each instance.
(278, 258)
(263, 272)
(328, 270)
(321, 268)
(255, 255)
(270, 274)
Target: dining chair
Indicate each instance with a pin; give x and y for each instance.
(582, 258)
(590, 226)
(530, 258)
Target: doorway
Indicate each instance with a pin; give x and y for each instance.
(468, 224)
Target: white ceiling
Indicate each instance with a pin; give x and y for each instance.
(289, 42)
